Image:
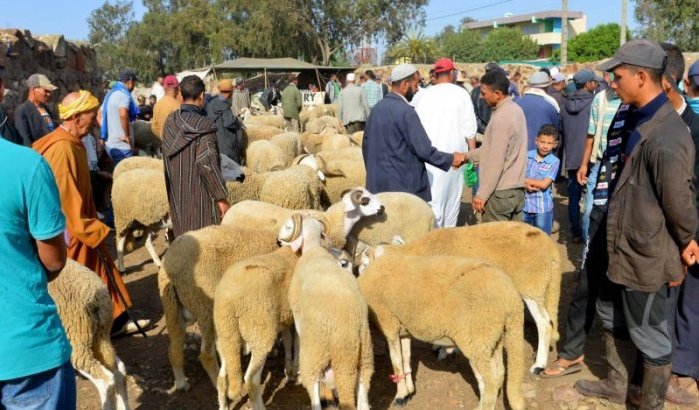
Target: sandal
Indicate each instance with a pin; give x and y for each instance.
(556, 369)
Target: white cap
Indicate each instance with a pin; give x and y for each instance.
(402, 71)
(350, 77)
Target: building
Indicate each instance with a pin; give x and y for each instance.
(544, 27)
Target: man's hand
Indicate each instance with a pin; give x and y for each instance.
(478, 205)
(690, 254)
(679, 282)
(223, 207)
(459, 159)
(581, 176)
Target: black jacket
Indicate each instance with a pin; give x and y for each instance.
(29, 123)
(229, 129)
(7, 130)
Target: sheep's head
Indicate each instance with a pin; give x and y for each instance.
(359, 200)
(301, 232)
(343, 259)
(313, 162)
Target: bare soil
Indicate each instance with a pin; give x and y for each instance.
(448, 384)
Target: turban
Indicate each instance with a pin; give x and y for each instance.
(85, 102)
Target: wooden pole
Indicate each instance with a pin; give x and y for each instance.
(622, 36)
(265, 68)
(564, 33)
(320, 86)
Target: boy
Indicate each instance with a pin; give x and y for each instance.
(542, 168)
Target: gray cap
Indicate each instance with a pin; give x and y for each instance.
(641, 53)
(40, 81)
(540, 80)
(127, 74)
(402, 71)
(583, 76)
(558, 77)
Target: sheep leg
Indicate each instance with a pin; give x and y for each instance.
(253, 378)
(122, 398)
(151, 249)
(481, 362)
(366, 369)
(174, 320)
(107, 355)
(394, 349)
(362, 396)
(290, 361)
(121, 242)
(314, 392)
(207, 355)
(104, 384)
(543, 332)
(407, 369)
(221, 383)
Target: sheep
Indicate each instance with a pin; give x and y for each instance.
(290, 144)
(315, 112)
(341, 174)
(312, 162)
(273, 120)
(192, 268)
(449, 301)
(251, 308)
(297, 187)
(357, 138)
(256, 132)
(317, 125)
(137, 162)
(85, 309)
(331, 319)
(336, 142)
(140, 203)
(264, 156)
(535, 271)
(144, 139)
(348, 153)
(357, 203)
(313, 142)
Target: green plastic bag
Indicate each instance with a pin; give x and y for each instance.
(470, 175)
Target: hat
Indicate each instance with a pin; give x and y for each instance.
(558, 77)
(40, 81)
(127, 74)
(349, 77)
(693, 73)
(225, 85)
(402, 71)
(583, 76)
(540, 80)
(492, 66)
(170, 81)
(641, 53)
(442, 65)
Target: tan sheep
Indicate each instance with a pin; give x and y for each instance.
(256, 132)
(357, 138)
(290, 144)
(341, 174)
(336, 142)
(449, 301)
(526, 254)
(264, 156)
(297, 187)
(272, 120)
(136, 163)
(317, 125)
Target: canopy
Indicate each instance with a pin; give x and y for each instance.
(269, 64)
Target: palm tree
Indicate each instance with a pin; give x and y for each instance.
(415, 47)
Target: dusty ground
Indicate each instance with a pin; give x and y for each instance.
(446, 384)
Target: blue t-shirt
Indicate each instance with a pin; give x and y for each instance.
(540, 202)
(32, 339)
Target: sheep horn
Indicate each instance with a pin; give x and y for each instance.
(356, 197)
(296, 232)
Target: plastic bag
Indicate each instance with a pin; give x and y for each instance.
(470, 175)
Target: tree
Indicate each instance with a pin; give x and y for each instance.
(676, 21)
(464, 45)
(416, 47)
(597, 44)
(508, 44)
(108, 27)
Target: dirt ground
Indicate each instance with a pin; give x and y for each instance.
(448, 384)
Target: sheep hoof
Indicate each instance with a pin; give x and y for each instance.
(536, 370)
(183, 387)
(402, 401)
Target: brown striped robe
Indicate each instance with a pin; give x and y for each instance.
(192, 169)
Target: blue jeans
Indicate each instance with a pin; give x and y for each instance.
(574, 197)
(49, 390)
(119, 155)
(591, 182)
(542, 221)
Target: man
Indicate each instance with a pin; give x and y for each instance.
(229, 129)
(691, 86)
(513, 90)
(475, 82)
(35, 368)
(32, 118)
(481, 108)
(648, 163)
(372, 90)
(539, 108)
(158, 89)
(332, 89)
(575, 118)
(241, 96)
(291, 104)
(166, 105)
(118, 111)
(446, 113)
(145, 111)
(195, 187)
(395, 146)
(384, 87)
(555, 90)
(503, 154)
(352, 106)
(7, 129)
(271, 96)
(152, 100)
(85, 234)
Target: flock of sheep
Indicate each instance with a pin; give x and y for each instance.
(284, 262)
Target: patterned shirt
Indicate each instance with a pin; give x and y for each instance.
(613, 103)
(540, 202)
(372, 91)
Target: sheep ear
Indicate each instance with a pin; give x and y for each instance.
(397, 240)
(348, 201)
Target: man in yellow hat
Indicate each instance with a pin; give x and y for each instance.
(229, 128)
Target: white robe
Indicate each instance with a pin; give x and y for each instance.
(447, 114)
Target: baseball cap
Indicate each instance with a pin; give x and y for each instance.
(128, 74)
(540, 79)
(443, 64)
(693, 73)
(402, 71)
(558, 77)
(40, 81)
(583, 76)
(350, 77)
(492, 66)
(641, 53)
(170, 81)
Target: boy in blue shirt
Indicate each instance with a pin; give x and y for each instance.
(542, 168)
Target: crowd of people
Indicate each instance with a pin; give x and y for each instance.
(626, 141)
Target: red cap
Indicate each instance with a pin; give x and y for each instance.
(170, 81)
(443, 64)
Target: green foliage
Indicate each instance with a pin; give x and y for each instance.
(675, 21)
(465, 45)
(500, 44)
(597, 44)
(416, 47)
(108, 27)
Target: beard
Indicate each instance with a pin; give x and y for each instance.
(409, 94)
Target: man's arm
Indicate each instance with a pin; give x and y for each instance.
(124, 120)
(420, 143)
(22, 126)
(494, 150)
(209, 166)
(581, 176)
(52, 254)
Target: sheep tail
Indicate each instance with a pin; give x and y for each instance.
(346, 382)
(553, 294)
(229, 345)
(514, 346)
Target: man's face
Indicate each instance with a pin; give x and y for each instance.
(490, 96)
(42, 94)
(130, 85)
(85, 121)
(625, 84)
(591, 86)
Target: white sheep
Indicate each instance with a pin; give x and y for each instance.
(449, 301)
(313, 142)
(331, 319)
(272, 120)
(317, 125)
(264, 156)
(192, 268)
(256, 132)
(85, 308)
(290, 144)
(357, 138)
(336, 142)
(137, 163)
(297, 187)
(535, 270)
(341, 174)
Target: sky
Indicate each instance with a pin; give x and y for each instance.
(70, 17)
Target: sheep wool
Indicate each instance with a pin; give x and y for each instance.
(297, 187)
(341, 175)
(336, 142)
(263, 156)
(290, 144)
(256, 132)
(137, 162)
(317, 125)
(272, 120)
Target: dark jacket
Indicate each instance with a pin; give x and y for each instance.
(652, 212)
(29, 124)
(229, 129)
(692, 120)
(575, 118)
(481, 108)
(270, 97)
(396, 147)
(557, 95)
(538, 112)
(7, 129)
